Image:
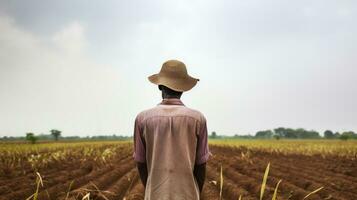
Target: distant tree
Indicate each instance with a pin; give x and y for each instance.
(309, 134)
(285, 132)
(213, 135)
(55, 133)
(291, 133)
(31, 137)
(344, 137)
(280, 131)
(277, 137)
(348, 135)
(264, 134)
(295, 133)
(328, 134)
(337, 135)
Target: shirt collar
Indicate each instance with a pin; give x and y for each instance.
(171, 101)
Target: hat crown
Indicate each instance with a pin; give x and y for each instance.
(174, 68)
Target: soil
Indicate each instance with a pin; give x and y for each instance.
(243, 171)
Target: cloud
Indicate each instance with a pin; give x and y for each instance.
(71, 38)
(49, 81)
(261, 64)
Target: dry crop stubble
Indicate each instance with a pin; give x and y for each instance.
(297, 170)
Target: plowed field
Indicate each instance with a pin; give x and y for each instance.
(115, 176)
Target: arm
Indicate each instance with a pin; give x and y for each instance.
(202, 154)
(200, 174)
(143, 172)
(140, 152)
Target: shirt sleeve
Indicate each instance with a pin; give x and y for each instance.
(202, 153)
(139, 154)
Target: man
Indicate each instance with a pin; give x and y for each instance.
(170, 140)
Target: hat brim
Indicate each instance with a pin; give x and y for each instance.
(177, 84)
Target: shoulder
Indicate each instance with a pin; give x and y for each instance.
(172, 111)
(144, 114)
(195, 114)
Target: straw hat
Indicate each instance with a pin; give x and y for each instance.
(173, 74)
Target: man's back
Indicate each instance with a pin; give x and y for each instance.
(171, 139)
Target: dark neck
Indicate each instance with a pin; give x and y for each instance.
(166, 96)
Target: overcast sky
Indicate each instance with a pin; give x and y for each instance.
(82, 66)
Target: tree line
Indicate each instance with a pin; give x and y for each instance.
(31, 137)
(289, 133)
(277, 133)
(301, 133)
(55, 135)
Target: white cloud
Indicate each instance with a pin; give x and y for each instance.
(71, 38)
(345, 12)
(48, 83)
(262, 64)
